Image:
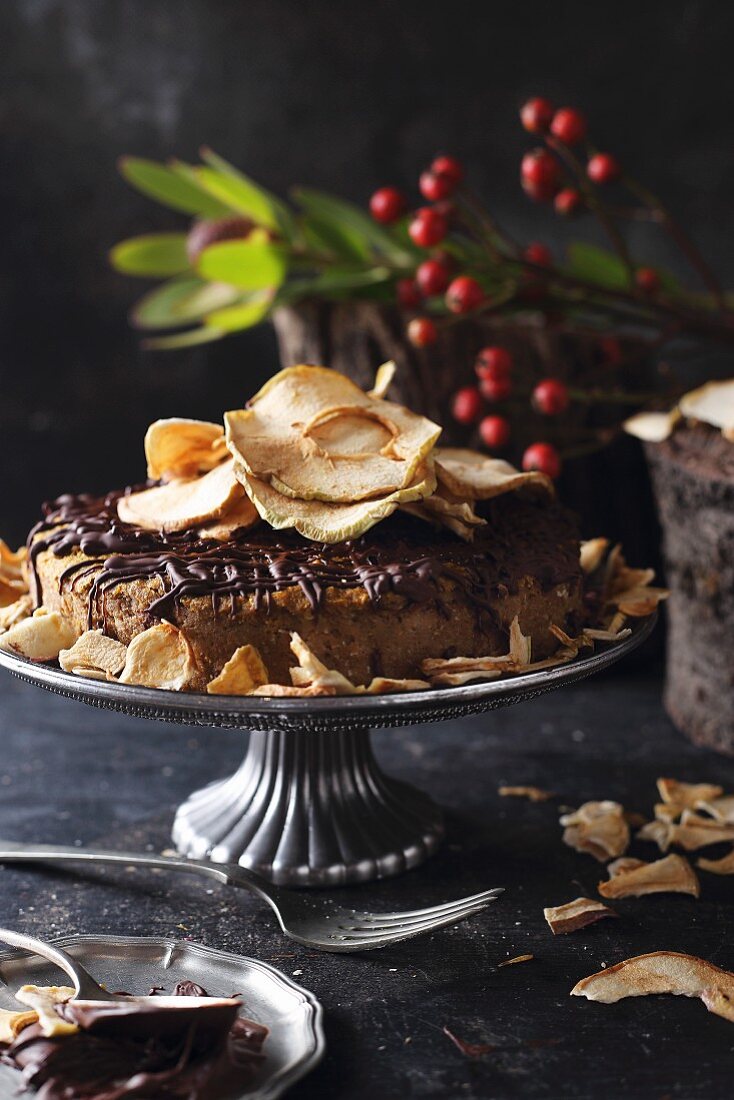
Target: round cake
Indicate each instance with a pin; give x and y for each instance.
(317, 542)
(374, 606)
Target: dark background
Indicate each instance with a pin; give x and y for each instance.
(341, 96)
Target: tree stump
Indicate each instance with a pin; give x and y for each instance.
(696, 505)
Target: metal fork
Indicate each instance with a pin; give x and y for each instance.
(306, 917)
(84, 984)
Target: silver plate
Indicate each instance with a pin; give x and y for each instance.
(135, 964)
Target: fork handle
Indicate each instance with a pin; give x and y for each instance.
(11, 852)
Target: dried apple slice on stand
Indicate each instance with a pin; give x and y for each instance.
(312, 434)
(178, 448)
(326, 522)
(183, 504)
(470, 475)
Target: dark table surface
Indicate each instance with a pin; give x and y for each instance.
(73, 774)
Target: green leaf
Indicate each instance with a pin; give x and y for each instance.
(334, 283)
(151, 255)
(235, 318)
(351, 223)
(597, 265)
(333, 240)
(249, 265)
(189, 339)
(248, 197)
(179, 302)
(171, 186)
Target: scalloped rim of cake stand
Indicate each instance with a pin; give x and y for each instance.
(255, 712)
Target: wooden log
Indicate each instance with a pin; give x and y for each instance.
(695, 498)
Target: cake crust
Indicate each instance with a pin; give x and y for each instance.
(413, 593)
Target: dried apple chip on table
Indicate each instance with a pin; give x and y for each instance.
(533, 794)
(598, 828)
(699, 833)
(576, 914)
(634, 878)
(661, 972)
(723, 866)
(721, 809)
(312, 434)
(683, 795)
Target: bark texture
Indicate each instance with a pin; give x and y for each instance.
(696, 508)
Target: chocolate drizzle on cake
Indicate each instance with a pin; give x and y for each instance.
(391, 558)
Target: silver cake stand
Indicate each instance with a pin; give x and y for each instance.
(310, 806)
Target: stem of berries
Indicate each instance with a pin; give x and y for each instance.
(481, 269)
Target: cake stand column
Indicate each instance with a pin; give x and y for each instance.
(310, 808)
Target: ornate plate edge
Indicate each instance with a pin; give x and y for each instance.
(274, 1086)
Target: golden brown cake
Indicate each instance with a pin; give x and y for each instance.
(373, 606)
(317, 542)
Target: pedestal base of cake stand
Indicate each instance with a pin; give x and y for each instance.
(310, 808)
(309, 805)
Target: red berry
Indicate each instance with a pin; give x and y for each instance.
(434, 188)
(569, 126)
(409, 295)
(493, 362)
(467, 405)
(540, 175)
(448, 167)
(464, 294)
(543, 457)
(387, 205)
(567, 202)
(603, 168)
(536, 115)
(537, 253)
(495, 387)
(432, 278)
(495, 432)
(550, 397)
(647, 279)
(422, 332)
(428, 227)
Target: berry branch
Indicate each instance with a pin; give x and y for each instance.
(445, 263)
